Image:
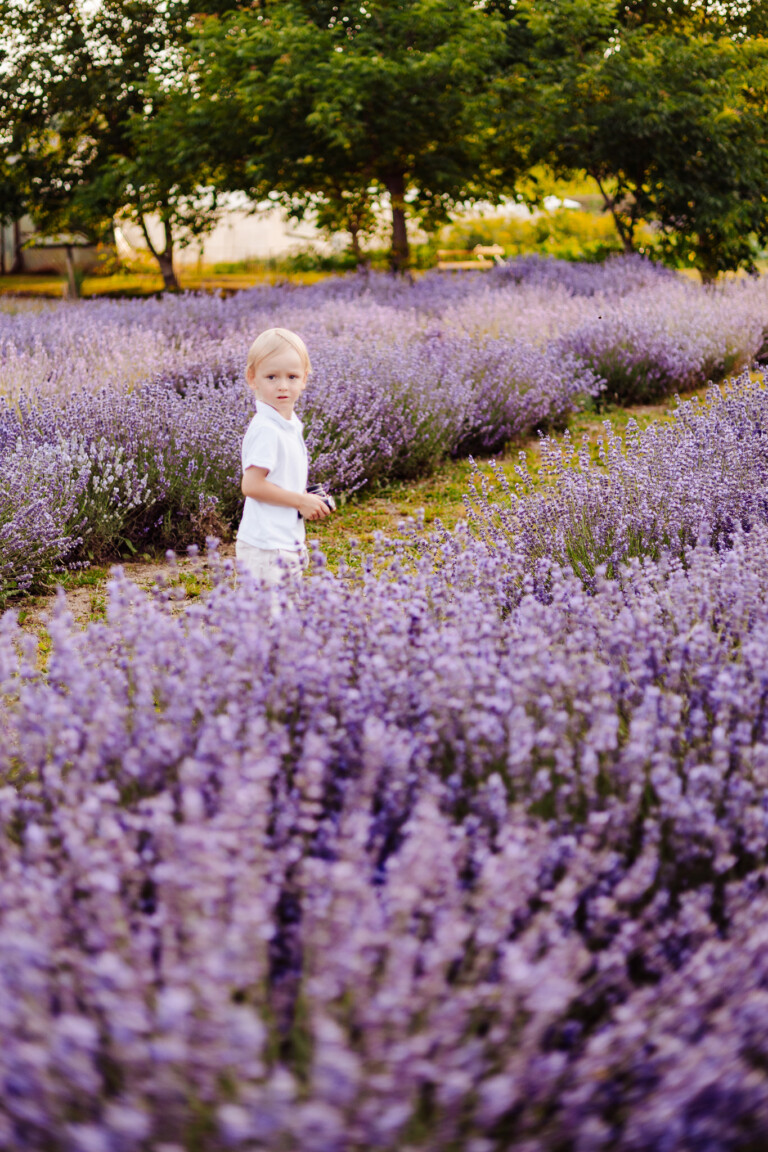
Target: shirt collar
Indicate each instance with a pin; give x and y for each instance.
(264, 409)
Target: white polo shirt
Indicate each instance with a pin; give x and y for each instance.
(276, 444)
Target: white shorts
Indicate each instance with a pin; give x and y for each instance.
(271, 566)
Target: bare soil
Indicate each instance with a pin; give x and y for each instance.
(87, 601)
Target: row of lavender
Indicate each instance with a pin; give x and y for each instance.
(477, 858)
(121, 421)
(699, 477)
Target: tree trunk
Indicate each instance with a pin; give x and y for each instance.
(354, 233)
(627, 235)
(400, 255)
(624, 228)
(2, 248)
(18, 252)
(164, 258)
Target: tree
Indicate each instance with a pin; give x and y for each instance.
(158, 174)
(88, 105)
(666, 110)
(338, 105)
(737, 19)
(340, 210)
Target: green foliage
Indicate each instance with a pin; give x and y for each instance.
(89, 110)
(566, 233)
(734, 18)
(417, 106)
(421, 256)
(12, 192)
(347, 107)
(666, 111)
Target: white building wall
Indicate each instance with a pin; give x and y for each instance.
(238, 236)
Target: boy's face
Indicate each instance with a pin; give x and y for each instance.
(279, 380)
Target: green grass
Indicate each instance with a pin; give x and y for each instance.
(45, 287)
(190, 584)
(352, 530)
(146, 283)
(83, 578)
(98, 605)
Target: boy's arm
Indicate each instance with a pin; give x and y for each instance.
(256, 485)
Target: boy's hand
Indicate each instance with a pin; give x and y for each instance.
(313, 507)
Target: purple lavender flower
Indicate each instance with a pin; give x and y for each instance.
(411, 861)
(150, 393)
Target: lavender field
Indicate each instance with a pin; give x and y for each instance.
(120, 421)
(465, 851)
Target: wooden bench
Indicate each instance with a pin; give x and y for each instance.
(456, 258)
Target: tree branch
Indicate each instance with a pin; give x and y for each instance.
(626, 235)
(147, 237)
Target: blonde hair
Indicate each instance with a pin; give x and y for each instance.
(274, 340)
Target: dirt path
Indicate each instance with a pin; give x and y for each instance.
(86, 592)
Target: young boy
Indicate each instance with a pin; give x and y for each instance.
(270, 540)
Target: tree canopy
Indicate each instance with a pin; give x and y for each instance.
(665, 109)
(335, 105)
(89, 112)
(344, 106)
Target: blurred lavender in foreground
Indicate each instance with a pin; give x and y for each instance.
(413, 864)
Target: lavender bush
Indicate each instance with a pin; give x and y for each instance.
(146, 465)
(41, 490)
(149, 396)
(653, 343)
(404, 865)
(446, 394)
(468, 853)
(699, 476)
(617, 276)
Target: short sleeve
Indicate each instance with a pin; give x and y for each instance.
(260, 447)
